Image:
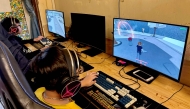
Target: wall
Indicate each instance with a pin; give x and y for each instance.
(108, 8)
(167, 11)
(5, 6)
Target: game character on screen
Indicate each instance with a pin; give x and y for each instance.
(143, 30)
(52, 67)
(139, 50)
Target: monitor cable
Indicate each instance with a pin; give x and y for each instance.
(80, 54)
(135, 82)
(101, 61)
(170, 97)
(72, 43)
(74, 47)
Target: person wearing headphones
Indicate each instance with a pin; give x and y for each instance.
(13, 27)
(53, 67)
(10, 28)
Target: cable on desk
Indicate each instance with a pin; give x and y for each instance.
(101, 61)
(79, 53)
(76, 49)
(170, 97)
(71, 44)
(135, 82)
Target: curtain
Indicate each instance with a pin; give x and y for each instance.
(34, 28)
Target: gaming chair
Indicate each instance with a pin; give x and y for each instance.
(15, 92)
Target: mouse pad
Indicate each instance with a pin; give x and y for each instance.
(86, 66)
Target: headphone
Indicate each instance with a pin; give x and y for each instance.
(14, 28)
(70, 86)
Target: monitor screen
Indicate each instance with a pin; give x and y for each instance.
(55, 21)
(155, 45)
(88, 29)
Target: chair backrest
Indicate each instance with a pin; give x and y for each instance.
(15, 92)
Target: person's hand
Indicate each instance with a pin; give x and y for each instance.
(89, 79)
(42, 49)
(38, 38)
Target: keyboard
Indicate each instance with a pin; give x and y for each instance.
(46, 41)
(43, 43)
(109, 93)
(115, 90)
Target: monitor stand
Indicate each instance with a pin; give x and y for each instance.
(92, 52)
(148, 71)
(60, 39)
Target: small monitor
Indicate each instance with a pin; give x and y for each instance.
(154, 45)
(56, 24)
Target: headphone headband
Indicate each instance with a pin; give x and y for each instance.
(72, 63)
(13, 29)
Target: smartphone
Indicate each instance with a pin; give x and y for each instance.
(143, 75)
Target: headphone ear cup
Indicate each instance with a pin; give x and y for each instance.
(13, 29)
(71, 89)
(62, 84)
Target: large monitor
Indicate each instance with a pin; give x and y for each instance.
(56, 24)
(90, 30)
(157, 46)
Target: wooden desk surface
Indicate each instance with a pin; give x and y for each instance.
(159, 90)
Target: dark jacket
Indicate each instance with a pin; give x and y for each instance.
(16, 46)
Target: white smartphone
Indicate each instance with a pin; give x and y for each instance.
(143, 75)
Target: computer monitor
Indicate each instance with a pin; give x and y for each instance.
(89, 30)
(56, 24)
(157, 46)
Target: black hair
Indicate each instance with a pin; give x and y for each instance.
(7, 23)
(50, 67)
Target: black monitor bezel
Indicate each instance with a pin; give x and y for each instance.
(55, 34)
(141, 66)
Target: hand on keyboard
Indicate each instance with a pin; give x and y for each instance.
(89, 80)
(38, 38)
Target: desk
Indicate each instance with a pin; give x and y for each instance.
(159, 90)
